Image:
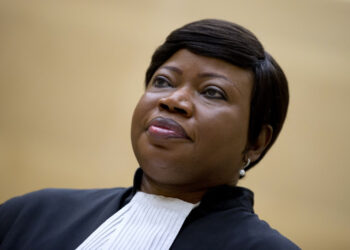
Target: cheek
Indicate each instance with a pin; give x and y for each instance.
(140, 117)
(137, 120)
(224, 136)
(227, 126)
(142, 107)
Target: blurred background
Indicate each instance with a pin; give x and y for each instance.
(71, 73)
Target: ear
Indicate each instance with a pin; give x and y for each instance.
(254, 151)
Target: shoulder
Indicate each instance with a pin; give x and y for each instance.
(255, 233)
(56, 206)
(259, 235)
(228, 211)
(51, 197)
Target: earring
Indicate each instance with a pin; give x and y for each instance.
(242, 171)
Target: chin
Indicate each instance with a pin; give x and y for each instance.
(165, 175)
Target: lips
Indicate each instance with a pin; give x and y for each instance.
(161, 127)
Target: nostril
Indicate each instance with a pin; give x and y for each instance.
(164, 106)
(181, 111)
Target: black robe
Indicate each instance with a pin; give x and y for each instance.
(63, 218)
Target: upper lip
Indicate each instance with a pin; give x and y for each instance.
(170, 124)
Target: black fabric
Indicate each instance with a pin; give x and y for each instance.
(64, 218)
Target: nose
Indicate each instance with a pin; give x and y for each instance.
(179, 101)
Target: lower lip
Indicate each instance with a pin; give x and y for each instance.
(159, 132)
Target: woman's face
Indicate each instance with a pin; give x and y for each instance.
(190, 127)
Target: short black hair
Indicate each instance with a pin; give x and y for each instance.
(236, 45)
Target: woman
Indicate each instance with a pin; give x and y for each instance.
(214, 103)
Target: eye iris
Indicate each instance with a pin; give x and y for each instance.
(159, 82)
(211, 92)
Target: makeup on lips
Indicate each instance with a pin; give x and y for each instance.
(165, 128)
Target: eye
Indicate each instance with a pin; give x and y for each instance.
(214, 93)
(161, 82)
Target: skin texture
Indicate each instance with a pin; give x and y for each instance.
(210, 100)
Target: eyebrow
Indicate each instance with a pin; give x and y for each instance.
(172, 68)
(179, 71)
(214, 75)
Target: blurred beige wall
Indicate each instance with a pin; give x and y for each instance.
(71, 73)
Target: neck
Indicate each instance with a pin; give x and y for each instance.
(151, 187)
